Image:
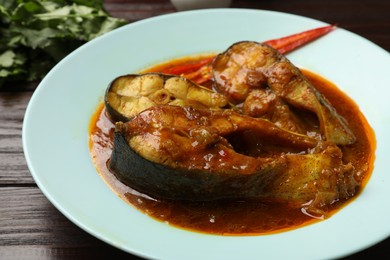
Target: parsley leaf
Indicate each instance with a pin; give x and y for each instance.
(36, 34)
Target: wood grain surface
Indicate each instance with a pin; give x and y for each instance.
(32, 228)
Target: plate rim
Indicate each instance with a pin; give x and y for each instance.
(39, 89)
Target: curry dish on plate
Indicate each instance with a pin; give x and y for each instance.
(259, 147)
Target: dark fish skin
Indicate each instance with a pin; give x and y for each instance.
(162, 182)
(314, 178)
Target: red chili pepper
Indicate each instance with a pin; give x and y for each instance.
(193, 70)
(292, 42)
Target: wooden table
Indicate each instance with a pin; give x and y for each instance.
(30, 226)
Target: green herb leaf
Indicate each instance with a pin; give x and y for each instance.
(36, 34)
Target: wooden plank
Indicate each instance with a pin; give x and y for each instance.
(14, 170)
(13, 167)
(32, 228)
(137, 10)
(49, 253)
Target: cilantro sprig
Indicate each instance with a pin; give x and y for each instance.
(36, 34)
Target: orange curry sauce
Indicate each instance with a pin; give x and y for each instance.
(235, 217)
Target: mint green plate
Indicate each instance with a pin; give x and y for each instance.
(55, 134)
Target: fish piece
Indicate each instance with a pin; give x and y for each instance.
(182, 153)
(265, 104)
(130, 94)
(248, 66)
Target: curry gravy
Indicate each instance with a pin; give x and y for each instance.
(236, 217)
